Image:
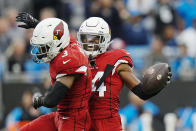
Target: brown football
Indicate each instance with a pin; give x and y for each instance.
(155, 78)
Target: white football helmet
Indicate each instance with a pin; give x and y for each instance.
(94, 35)
(49, 38)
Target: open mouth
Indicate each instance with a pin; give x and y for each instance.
(90, 47)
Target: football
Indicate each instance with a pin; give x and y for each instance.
(155, 78)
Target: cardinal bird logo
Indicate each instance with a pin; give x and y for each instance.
(58, 31)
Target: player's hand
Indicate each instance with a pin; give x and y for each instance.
(169, 75)
(29, 20)
(37, 100)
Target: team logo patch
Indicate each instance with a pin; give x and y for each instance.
(58, 31)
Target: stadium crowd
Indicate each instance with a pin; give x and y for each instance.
(150, 30)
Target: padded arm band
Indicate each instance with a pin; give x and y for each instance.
(138, 90)
(58, 92)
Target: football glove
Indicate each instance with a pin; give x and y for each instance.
(29, 20)
(37, 100)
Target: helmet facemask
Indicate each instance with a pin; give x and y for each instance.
(43, 53)
(40, 53)
(93, 44)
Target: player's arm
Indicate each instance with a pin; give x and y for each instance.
(133, 83)
(59, 91)
(28, 20)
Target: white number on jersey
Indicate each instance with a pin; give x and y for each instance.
(102, 88)
(65, 53)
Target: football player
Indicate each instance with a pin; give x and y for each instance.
(70, 75)
(94, 36)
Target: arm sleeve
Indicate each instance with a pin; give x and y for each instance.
(58, 92)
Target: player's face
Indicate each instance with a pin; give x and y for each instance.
(90, 42)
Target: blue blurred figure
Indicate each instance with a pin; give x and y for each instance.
(185, 117)
(133, 115)
(134, 32)
(25, 112)
(186, 9)
(184, 66)
(32, 69)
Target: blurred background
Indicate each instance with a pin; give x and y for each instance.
(150, 30)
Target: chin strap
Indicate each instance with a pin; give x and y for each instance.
(92, 61)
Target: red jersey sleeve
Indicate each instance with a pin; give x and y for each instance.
(70, 65)
(123, 57)
(69, 62)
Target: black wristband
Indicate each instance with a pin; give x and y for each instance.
(58, 92)
(138, 90)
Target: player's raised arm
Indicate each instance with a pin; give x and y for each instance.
(28, 20)
(148, 87)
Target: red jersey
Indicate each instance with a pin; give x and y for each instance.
(71, 61)
(105, 102)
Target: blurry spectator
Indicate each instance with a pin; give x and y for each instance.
(188, 37)
(13, 31)
(77, 15)
(168, 36)
(47, 84)
(156, 54)
(170, 121)
(28, 35)
(16, 56)
(117, 43)
(186, 9)
(4, 39)
(184, 66)
(38, 5)
(24, 113)
(185, 118)
(135, 112)
(134, 32)
(63, 8)
(121, 7)
(106, 10)
(47, 13)
(143, 6)
(32, 69)
(87, 7)
(165, 15)
(180, 25)
(2, 68)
